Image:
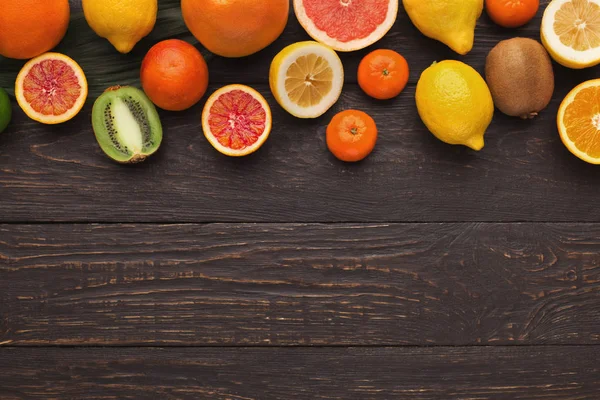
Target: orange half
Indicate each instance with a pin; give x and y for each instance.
(51, 88)
(579, 121)
(236, 120)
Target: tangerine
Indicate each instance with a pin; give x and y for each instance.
(351, 135)
(174, 75)
(383, 74)
(235, 28)
(32, 27)
(512, 13)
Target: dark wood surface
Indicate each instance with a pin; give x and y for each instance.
(425, 272)
(272, 284)
(500, 373)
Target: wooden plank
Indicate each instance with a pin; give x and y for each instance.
(267, 284)
(498, 373)
(59, 174)
(524, 173)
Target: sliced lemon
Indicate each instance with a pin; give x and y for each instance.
(571, 32)
(579, 121)
(306, 79)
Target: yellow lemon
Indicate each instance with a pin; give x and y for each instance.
(455, 103)
(571, 32)
(306, 79)
(452, 22)
(122, 22)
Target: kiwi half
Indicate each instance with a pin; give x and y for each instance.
(126, 124)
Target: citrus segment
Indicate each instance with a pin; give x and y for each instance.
(346, 25)
(312, 69)
(579, 121)
(236, 120)
(51, 88)
(306, 79)
(571, 32)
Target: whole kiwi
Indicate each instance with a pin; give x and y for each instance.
(520, 76)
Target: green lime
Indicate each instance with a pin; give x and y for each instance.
(5, 110)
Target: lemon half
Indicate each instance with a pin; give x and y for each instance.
(571, 32)
(306, 79)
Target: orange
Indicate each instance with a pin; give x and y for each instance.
(236, 120)
(174, 75)
(351, 135)
(51, 88)
(579, 121)
(512, 13)
(383, 74)
(235, 28)
(29, 28)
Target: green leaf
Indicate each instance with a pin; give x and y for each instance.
(103, 65)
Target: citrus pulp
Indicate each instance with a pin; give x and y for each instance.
(236, 120)
(579, 121)
(51, 88)
(346, 25)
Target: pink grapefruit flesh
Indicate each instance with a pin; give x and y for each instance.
(346, 25)
(236, 120)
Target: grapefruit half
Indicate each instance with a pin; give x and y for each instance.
(346, 25)
(51, 88)
(236, 120)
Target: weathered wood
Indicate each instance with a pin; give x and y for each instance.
(500, 373)
(265, 284)
(524, 174)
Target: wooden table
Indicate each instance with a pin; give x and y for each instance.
(425, 272)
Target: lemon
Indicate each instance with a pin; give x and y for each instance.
(452, 22)
(306, 79)
(5, 110)
(455, 103)
(571, 32)
(122, 22)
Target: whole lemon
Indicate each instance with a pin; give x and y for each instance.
(455, 103)
(122, 22)
(452, 22)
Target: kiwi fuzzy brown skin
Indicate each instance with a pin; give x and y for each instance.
(152, 123)
(520, 76)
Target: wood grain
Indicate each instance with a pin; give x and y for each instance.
(501, 373)
(58, 174)
(269, 284)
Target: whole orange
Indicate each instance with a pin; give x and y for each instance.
(383, 74)
(29, 28)
(235, 28)
(351, 135)
(174, 75)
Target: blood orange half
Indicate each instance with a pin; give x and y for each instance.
(346, 25)
(51, 88)
(236, 120)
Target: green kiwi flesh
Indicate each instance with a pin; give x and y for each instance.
(126, 124)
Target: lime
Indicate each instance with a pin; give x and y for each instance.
(5, 110)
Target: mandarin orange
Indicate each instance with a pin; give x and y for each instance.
(32, 27)
(235, 28)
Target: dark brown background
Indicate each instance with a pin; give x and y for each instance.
(425, 272)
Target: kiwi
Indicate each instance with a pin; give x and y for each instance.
(520, 76)
(126, 124)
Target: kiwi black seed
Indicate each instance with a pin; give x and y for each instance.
(126, 124)
(520, 76)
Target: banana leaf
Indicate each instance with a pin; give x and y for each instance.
(103, 65)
